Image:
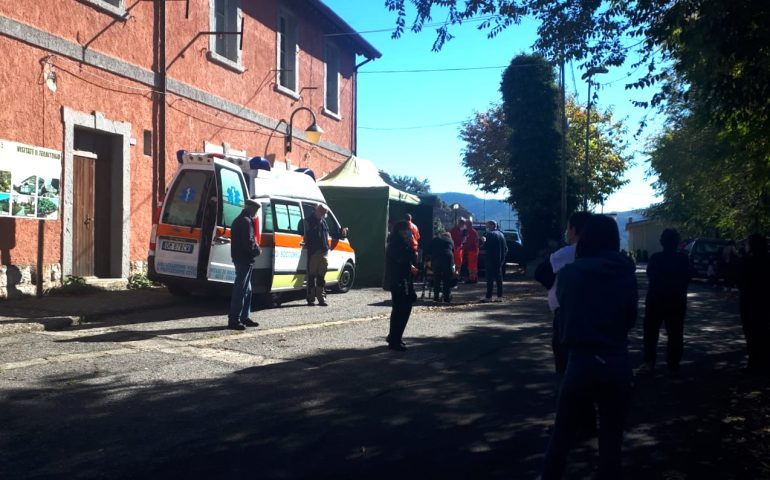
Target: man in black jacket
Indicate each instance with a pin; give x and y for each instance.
(668, 273)
(243, 250)
(495, 250)
(317, 245)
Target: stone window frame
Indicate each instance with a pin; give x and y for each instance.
(284, 13)
(330, 46)
(212, 54)
(118, 11)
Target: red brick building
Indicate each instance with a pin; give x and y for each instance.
(118, 86)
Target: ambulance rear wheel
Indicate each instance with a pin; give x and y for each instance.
(346, 279)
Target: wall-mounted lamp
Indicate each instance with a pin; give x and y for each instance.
(313, 132)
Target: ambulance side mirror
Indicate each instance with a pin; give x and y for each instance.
(343, 233)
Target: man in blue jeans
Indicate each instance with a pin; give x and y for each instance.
(243, 250)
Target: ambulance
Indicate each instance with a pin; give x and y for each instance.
(190, 239)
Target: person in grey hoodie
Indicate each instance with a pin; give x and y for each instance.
(598, 297)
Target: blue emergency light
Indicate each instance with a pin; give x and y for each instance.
(307, 172)
(259, 163)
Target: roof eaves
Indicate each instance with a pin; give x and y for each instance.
(362, 46)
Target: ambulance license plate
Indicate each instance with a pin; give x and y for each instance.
(180, 247)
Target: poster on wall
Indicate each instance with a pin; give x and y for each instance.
(30, 181)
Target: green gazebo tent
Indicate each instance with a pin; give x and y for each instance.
(366, 204)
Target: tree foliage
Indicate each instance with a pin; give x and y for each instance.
(486, 158)
(408, 184)
(714, 182)
(707, 64)
(531, 112)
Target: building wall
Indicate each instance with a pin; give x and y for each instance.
(645, 235)
(104, 67)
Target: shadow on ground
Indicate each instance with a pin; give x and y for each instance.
(477, 405)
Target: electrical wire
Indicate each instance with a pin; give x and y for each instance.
(392, 29)
(418, 127)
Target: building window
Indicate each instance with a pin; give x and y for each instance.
(225, 48)
(287, 52)
(147, 141)
(332, 79)
(113, 7)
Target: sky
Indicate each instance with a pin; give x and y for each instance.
(409, 122)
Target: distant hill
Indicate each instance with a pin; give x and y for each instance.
(482, 210)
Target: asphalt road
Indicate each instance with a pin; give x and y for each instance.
(313, 392)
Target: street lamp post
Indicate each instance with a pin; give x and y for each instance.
(588, 76)
(455, 207)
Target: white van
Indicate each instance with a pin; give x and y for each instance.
(190, 238)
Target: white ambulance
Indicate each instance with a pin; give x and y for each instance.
(190, 238)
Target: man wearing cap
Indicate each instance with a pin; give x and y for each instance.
(243, 250)
(317, 244)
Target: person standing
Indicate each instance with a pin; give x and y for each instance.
(559, 259)
(316, 241)
(440, 250)
(754, 288)
(494, 259)
(243, 251)
(668, 275)
(415, 232)
(399, 269)
(598, 295)
(471, 251)
(458, 236)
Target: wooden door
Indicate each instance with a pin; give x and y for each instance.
(83, 224)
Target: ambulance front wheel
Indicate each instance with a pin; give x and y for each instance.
(347, 276)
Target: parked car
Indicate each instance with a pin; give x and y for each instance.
(705, 252)
(512, 240)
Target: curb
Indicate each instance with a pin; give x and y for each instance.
(17, 326)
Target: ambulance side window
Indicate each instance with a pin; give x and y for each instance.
(232, 191)
(183, 204)
(267, 218)
(334, 226)
(288, 217)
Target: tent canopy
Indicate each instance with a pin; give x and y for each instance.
(366, 204)
(361, 173)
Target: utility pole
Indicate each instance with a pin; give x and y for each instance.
(563, 146)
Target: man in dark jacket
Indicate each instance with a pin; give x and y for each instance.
(317, 245)
(441, 251)
(399, 269)
(243, 250)
(598, 297)
(495, 250)
(668, 273)
(754, 285)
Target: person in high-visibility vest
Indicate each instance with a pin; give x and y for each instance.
(471, 252)
(458, 236)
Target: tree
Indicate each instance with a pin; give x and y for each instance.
(408, 184)
(531, 111)
(711, 183)
(486, 158)
(720, 48)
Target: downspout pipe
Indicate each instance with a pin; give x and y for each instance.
(354, 125)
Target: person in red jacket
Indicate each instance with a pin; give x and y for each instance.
(458, 235)
(415, 232)
(471, 252)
